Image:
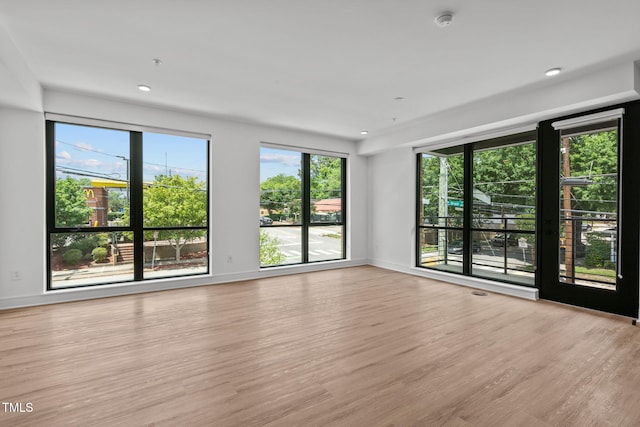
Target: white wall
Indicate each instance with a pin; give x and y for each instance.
(235, 182)
(22, 219)
(392, 186)
(19, 87)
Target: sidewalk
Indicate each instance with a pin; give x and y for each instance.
(96, 273)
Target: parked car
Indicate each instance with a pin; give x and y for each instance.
(587, 227)
(499, 239)
(265, 220)
(456, 247)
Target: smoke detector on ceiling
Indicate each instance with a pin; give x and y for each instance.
(444, 19)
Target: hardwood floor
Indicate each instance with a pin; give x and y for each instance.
(359, 346)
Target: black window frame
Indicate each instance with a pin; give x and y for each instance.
(468, 227)
(136, 227)
(305, 217)
(420, 227)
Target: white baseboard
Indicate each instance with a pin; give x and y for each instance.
(472, 282)
(105, 291)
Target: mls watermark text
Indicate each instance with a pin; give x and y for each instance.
(16, 407)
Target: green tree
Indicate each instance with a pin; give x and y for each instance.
(281, 193)
(117, 203)
(71, 209)
(431, 169)
(173, 201)
(270, 253)
(326, 177)
(507, 175)
(595, 157)
(71, 203)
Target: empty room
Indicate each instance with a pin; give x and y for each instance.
(297, 213)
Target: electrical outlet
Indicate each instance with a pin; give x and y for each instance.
(15, 275)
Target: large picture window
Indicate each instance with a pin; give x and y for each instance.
(477, 209)
(504, 212)
(125, 205)
(302, 207)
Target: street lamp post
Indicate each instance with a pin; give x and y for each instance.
(127, 182)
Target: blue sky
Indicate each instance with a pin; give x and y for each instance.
(83, 150)
(274, 162)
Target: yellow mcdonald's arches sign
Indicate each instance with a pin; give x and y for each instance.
(89, 193)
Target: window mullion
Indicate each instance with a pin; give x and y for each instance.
(343, 195)
(135, 189)
(467, 246)
(306, 205)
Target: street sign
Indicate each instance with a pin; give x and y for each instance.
(522, 244)
(455, 203)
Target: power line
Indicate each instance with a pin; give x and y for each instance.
(81, 148)
(80, 172)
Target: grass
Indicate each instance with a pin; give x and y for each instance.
(333, 235)
(596, 271)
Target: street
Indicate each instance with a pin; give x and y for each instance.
(325, 242)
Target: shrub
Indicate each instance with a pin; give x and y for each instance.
(85, 245)
(269, 251)
(598, 252)
(99, 254)
(72, 256)
(112, 216)
(101, 240)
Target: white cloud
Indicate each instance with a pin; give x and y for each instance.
(284, 159)
(63, 155)
(84, 146)
(92, 163)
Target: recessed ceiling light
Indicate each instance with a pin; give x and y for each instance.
(364, 132)
(144, 88)
(157, 62)
(399, 98)
(552, 72)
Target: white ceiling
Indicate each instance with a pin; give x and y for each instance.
(328, 66)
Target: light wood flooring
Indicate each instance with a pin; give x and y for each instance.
(358, 346)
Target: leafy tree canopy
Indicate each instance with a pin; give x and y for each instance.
(507, 176)
(326, 177)
(71, 203)
(281, 192)
(173, 201)
(595, 157)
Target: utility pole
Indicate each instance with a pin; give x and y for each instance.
(568, 227)
(443, 208)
